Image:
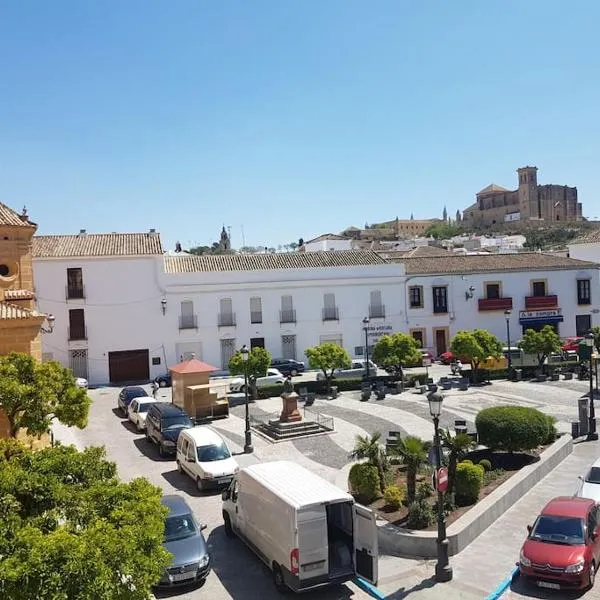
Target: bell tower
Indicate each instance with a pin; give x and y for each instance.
(528, 193)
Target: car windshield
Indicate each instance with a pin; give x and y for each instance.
(179, 528)
(593, 476)
(178, 421)
(213, 452)
(135, 393)
(558, 530)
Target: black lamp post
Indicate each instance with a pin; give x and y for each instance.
(367, 370)
(248, 449)
(593, 434)
(507, 314)
(443, 570)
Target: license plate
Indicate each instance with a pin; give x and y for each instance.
(546, 584)
(183, 576)
(224, 480)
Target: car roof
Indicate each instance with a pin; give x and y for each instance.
(203, 435)
(568, 506)
(176, 504)
(144, 400)
(167, 409)
(133, 388)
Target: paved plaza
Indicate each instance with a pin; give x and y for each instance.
(479, 569)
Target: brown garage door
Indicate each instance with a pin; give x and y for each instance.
(128, 365)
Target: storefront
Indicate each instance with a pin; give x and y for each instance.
(538, 319)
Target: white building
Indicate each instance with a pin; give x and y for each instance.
(328, 241)
(586, 247)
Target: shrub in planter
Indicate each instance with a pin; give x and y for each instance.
(486, 464)
(420, 515)
(467, 461)
(552, 432)
(270, 391)
(394, 496)
(364, 481)
(513, 428)
(468, 482)
(424, 490)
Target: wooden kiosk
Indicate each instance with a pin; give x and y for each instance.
(193, 390)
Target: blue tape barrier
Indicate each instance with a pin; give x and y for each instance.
(368, 587)
(497, 593)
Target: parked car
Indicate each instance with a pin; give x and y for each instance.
(164, 423)
(184, 540)
(203, 455)
(562, 550)
(288, 366)
(138, 410)
(589, 484)
(81, 382)
(163, 381)
(357, 370)
(126, 395)
(273, 377)
(426, 354)
(571, 343)
(447, 357)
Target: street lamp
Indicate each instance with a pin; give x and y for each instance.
(248, 449)
(507, 314)
(592, 435)
(443, 570)
(367, 370)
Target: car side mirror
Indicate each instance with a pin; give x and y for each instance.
(580, 477)
(203, 527)
(529, 528)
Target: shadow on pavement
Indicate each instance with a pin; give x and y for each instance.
(426, 584)
(528, 589)
(117, 412)
(149, 450)
(177, 591)
(130, 427)
(185, 484)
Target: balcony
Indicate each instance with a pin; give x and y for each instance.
(75, 292)
(77, 333)
(495, 304)
(188, 322)
(376, 311)
(331, 313)
(226, 319)
(256, 316)
(287, 316)
(540, 302)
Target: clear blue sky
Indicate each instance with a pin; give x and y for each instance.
(289, 118)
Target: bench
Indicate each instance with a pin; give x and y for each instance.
(392, 440)
(460, 426)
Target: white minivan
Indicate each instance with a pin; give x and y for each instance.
(204, 456)
(309, 532)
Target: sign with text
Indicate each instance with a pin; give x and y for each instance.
(442, 480)
(377, 331)
(540, 314)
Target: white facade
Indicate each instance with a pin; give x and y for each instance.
(328, 242)
(589, 251)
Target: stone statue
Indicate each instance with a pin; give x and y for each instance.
(288, 386)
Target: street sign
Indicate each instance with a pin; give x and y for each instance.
(442, 480)
(426, 362)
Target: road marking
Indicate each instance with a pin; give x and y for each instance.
(499, 591)
(368, 587)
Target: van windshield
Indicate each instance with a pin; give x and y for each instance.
(178, 421)
(213, 452)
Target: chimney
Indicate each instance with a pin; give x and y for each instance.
(153, 231)
(82, 232)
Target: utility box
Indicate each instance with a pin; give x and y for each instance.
(584, 416)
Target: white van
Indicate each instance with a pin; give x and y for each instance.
(204, 456)
(307, 531)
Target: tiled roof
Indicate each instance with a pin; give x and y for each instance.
(280, 260)
(327, 236)
(481, 263)
(18, 295)
(492, 188)
(193, 365)
(591, 237)
(9, 217)
(96, 244)
(427, 251)
(10, 311)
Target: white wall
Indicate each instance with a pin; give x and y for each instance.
(323, 245)
(585, 252)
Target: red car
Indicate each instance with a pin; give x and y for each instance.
(562, 550)
(571, 344)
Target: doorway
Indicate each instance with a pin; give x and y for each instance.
(257, 343)
(441, 341)
(583, 324)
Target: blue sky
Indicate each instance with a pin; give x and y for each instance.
(288, 118)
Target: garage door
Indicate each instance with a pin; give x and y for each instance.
(128, 365)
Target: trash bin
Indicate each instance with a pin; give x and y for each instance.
(574, 430)
(584, 415)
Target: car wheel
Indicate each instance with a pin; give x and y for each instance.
(161, 451)
(162, 383)
(228, 526)
(242, 389)
(199, 484)
(592, 575)
(293, 372)
(278, 579)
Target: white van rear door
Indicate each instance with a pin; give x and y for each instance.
(366, 547)
(312, 543)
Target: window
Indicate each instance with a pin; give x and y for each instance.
(77, 324)
(331, 339)
(187, 318)
(584, 292)
(287, 314)
(538, 288)
(330, 310)
(226, 315)
(75, 283)
(376, 308)
(227, 351)
(288, 346)
(583, 324)
(440, 299)
(418, 335)
(492, 291)
(255, 310)
(415, 294)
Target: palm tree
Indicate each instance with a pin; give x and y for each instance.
(370, 449)
(458, 445)
(412, 451)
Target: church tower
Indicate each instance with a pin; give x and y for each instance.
(224, 242)
(528, 193)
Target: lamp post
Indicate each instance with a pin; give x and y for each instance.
(367, 370)
(443, 570)
(248, 449)
(507, 314)
(593, 434)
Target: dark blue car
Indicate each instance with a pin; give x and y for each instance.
(127, 394)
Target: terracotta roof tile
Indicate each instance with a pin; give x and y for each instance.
(97, 244)
(591, 237)
(280, 260)
(492, 188)
(481, 263)
(18, 295)
(193, 365)
(10, 311)
(327, 236)
(9, 217)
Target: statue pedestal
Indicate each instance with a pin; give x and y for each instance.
(290, 412)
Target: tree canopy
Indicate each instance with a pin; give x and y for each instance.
(70, 530)
(32, 394)
(396, 350)
(256, 366)
(327, 358)
(477, 346)
(543, 343)
(443, 230)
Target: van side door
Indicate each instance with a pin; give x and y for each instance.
(366, 547)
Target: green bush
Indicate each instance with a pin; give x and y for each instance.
(424, 490)
(420, 515)
(552, 432)
(416, 379)
(468, 482)
(513, 428)
(394, 496)
(364, 481)
(467, 461)
(270, 391)
(486, 464)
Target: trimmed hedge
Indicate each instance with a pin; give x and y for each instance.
(467, 483)
(394, 496)
(363, 480)
(514, 428)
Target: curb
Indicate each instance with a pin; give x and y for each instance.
(499, 591)
(368, 587)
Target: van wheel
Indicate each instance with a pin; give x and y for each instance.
(592, 575)
(228, 527)
(199, 484)
(278, 580)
